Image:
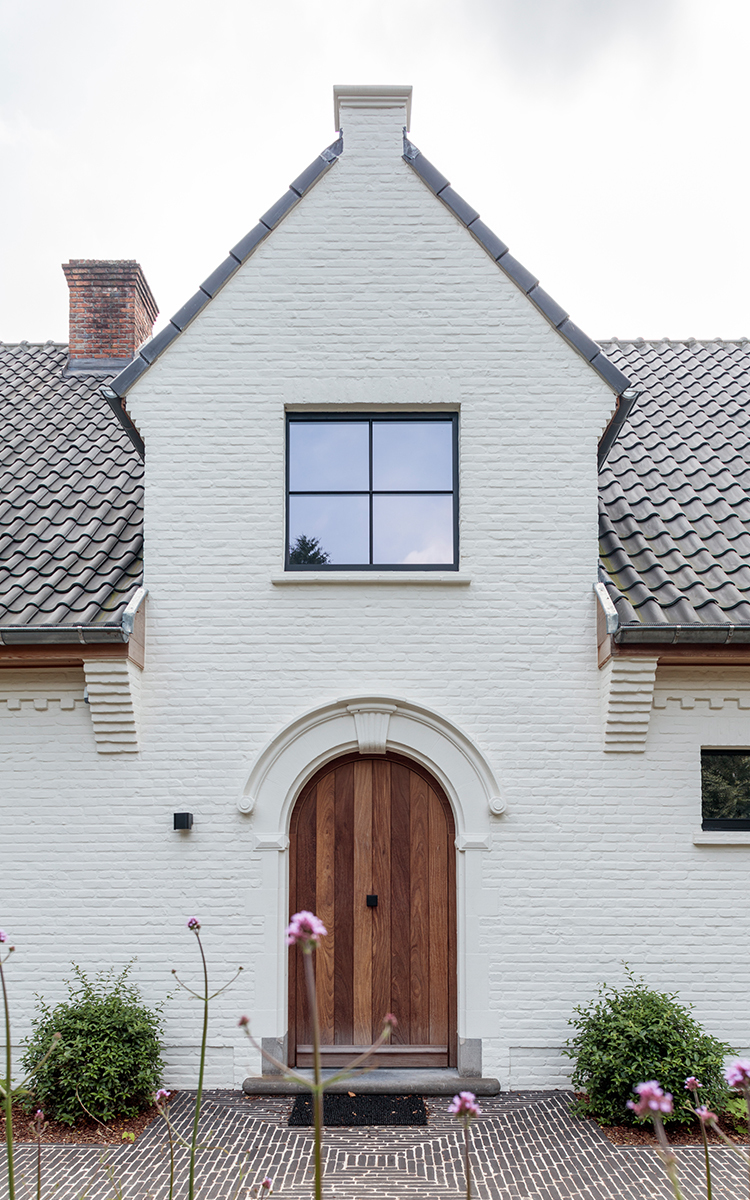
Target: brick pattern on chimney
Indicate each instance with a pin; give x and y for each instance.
(112, 309)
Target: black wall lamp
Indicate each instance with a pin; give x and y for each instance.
(183, 820)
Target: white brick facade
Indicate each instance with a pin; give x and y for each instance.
(371, 296)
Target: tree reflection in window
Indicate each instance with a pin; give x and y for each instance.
(725, 778)
(307, 551)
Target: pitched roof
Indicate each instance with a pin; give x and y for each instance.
(440, 186)
(71, 496)
(675, 493)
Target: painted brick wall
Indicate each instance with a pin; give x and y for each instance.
(371, 295)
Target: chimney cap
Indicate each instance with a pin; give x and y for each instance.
(371, 96)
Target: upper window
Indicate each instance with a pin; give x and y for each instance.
(725, 779)
(366, 492)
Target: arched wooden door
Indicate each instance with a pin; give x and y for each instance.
(367, 827)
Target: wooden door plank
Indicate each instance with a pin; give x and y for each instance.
(326, 904)
(438, 907)
(344, 860)
(382, 1001)
(419, 827)
(400, 903)
(305, 898)
(362, 887)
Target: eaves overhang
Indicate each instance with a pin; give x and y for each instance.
(47, 635)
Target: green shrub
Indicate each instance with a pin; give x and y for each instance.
(109, 1059)
(632, 1035)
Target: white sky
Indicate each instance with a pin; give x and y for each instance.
(604, 140)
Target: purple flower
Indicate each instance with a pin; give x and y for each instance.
(3, 936)
(267, 1183)
(737, 1073)
(304, 930)
(243, 1021)
(194, 924)
(464, 1105)
(652, 1099)
(704, 1114)
(389, 1019)
(161, 1095)
(692, 1084)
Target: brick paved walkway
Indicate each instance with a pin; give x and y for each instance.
(527, 1146)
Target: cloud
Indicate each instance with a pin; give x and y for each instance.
(554, 41)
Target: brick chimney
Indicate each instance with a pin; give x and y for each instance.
(112, 313)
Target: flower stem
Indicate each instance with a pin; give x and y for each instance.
(709, 1195)
(8, 1098)
(467, 1160)
(667, 1155)
(318, 1088)
(746, 1090)
(199, 1095)
(38, 1164)
(171, 1159)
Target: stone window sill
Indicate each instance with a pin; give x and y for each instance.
(365, 578)
(721, 837)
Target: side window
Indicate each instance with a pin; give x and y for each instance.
(372, 492)
(725, 789)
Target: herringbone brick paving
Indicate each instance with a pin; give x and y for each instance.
(526, 1146)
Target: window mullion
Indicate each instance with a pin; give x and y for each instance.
(371, 493)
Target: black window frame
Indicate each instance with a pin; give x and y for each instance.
(293, 418)
(727, 823)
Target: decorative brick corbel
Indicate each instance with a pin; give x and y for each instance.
(628, 693)
(112, 687)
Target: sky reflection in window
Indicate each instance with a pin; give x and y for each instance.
(412, 456)
(412, 529)
(325, 456)
(403, 512)
(341, 525)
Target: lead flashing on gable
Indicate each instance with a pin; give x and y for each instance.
(524, 279)
(238, 255)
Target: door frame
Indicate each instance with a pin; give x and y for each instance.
(296, 971)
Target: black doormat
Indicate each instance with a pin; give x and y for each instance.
(364, 1109)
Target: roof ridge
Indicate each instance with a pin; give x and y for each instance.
(666, 341)
(32, 345)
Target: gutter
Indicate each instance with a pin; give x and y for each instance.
(722, 634)
(16, 635)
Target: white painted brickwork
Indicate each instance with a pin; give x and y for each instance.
(371, 295)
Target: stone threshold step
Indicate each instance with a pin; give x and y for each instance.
(381, 1081)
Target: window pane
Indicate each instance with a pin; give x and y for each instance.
(412, 456)
(726, 784)
(412, 529)
(329, 456)
(340, 526)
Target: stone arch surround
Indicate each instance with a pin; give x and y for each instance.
(370, 724)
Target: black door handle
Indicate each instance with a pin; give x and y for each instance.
(372, 902)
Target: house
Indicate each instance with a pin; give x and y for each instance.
(366, 659)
